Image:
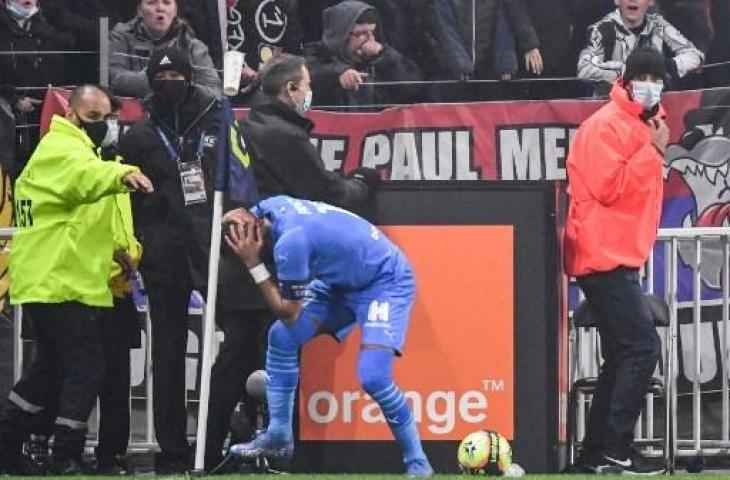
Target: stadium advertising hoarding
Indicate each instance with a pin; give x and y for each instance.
(456, 381)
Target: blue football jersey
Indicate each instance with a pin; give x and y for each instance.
(314, 240)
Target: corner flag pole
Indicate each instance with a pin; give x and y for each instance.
(210, 303)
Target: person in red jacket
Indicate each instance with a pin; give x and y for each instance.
(615, 187)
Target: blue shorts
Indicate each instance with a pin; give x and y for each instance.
(382, 309)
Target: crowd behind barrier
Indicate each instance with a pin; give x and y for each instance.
(394, 55)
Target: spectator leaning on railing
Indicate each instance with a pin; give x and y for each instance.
(23, 28)
(155, 27)
(611, 40)
(352, 51)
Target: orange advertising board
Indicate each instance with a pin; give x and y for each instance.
(457, 370)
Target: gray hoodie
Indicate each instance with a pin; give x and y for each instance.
(327, 60)
(338, 21)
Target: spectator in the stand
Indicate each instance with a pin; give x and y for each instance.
(505, 44)
(80, 18)
(156, 26)
(352, 51)
(612, 39)
(262, 29)
(719, 76)
(202, 15)
(427, 31)
(23, 28)
(692, 18)
(554, 24)
(176, 146)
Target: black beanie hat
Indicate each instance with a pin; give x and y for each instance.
(645, 60)
(169, 59)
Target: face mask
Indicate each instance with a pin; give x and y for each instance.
(646, 94)
(19, 12)
(306, 103)
(168, 94)
(112, 133)
(95, 130)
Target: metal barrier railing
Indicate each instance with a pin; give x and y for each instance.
(680, 283)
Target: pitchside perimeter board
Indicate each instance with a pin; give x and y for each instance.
(482, 350)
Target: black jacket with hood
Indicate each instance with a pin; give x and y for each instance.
(327, 60)
(175, 237)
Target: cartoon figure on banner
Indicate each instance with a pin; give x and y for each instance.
(698, 187)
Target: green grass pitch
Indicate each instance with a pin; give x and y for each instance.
(684, 476)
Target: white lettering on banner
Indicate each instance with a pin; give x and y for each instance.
(442, 408)
(444, 154)
(533, 152)
(332, 150)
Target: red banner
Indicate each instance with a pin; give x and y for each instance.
(475, 141)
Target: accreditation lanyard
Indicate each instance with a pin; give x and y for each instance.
(192, 179)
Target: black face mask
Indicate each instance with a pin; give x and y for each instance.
(168, 94)
(95, 130)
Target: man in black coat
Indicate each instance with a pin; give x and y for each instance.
(24, 28)
(176, 146)
(277, 132)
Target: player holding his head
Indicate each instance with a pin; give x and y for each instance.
(334, 270)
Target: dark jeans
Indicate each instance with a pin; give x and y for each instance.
(169, 318)
(631, 349)
(241, 353)
(65, 375)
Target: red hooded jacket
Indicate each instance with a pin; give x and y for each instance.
(615, 189)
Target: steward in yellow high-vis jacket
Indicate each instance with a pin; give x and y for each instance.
(59, 268)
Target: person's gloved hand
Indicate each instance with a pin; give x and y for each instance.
(369, 176)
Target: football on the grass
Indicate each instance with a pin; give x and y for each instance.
(484, 452)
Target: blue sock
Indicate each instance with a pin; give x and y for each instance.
(282, 368)
(375, 370)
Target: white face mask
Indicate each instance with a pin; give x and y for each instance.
(112, 133)
(646, 94)
(19, 12)
(306, 103)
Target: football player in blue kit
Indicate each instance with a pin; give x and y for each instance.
(334, 270)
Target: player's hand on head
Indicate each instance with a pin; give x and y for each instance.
(247, 241)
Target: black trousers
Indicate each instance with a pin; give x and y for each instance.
(65, 376)
(119, 332)
(631, 349)
(169, 318)
(241, 353)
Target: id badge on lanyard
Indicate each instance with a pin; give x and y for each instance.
(192, 179)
